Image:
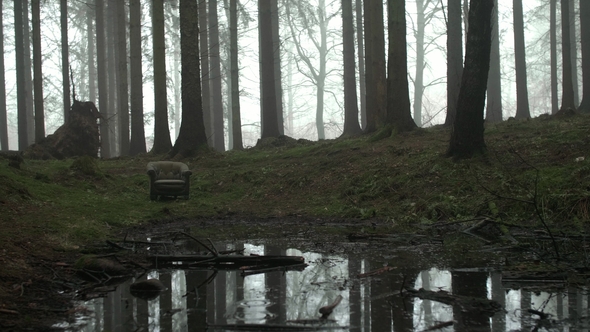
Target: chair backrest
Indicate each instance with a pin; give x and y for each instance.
(166, 170)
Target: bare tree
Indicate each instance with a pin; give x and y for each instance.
(28, 75)
(276, 42)
(313, 18)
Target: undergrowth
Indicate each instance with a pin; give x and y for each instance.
(403, 179)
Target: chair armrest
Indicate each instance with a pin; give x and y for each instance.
(186, 173)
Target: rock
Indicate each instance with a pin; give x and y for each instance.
(147, 289)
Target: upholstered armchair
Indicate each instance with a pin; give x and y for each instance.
(168, 178)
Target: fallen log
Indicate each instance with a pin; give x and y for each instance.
(467, 303)
(230, 262)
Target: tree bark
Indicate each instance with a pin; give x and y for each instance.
(162, 142)
(399, 112)
(351, 111)
(454, 58)
(494, 95)
(376, 82)
(585, 38)
(112, 76)
(467, 136)
(522, 94)
(3, 115)
(270, 127)
(137, 143)
(574, 51)
(567, 100)
(215, 63)
(101, 66)
(38, 74)
(191, 138)
(235, 77)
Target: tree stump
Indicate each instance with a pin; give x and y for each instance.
(79, 136)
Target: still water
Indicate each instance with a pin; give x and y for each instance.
(290, 300)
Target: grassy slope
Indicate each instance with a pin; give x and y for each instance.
(48, 209)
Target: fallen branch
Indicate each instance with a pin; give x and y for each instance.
(230, 262)
(376, 272)
(327, 310)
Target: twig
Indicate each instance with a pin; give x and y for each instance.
(214, 252)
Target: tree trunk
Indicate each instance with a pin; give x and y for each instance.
(3, 115)
(553, 51)
(205, 77)
(38, 74)
(522, 94)
(65, 61)
(276, 42)
(101, 66)
(567, 100)
(399, 112)
(376, 82)
(28, 75)
(494, 95)
(574, 51)
(235, 77)
(270, 126)
(137, 144)
(215, 63)
(467, 135)
(21, 97)
(112, 76)
(419, 77)
(361, 57)
(122, 81)
(351, 111)
(162, 142)
(191, 138)
(585, 38)
(91, 54)
(454, 58)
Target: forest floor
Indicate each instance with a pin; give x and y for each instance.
(535, 176)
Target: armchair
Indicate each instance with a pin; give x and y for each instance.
(168, 178)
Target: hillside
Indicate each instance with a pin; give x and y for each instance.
(535, 172)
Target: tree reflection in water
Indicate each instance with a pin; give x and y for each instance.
(368, 304)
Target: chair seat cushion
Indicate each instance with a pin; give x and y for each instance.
(175, 185)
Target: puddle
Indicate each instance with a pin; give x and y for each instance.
(290, 300)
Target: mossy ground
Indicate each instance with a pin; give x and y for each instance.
(50, 209)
